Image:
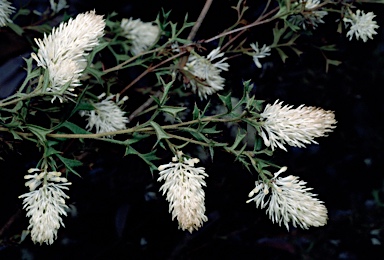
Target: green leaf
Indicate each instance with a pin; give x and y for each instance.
(15, 135)
(136, 137)
(172, 110)
(277, 33)
(211, 130)
(39, 131)
(227, 101)
(49, 151)
(73, 128)
(196, 112)
(95, 50)
(70, 163)
(239, 138)
(297, 51)
(282, 54)
(161, 134)
(96, 73)
(17, 29)
(146, 157)
(43, 28)
(157, 100)
(331, 62)
(258, 144)
(165, 93)
(18, 106)
(331, 47)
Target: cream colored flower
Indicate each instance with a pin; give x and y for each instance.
(288, 200)
(106, 116)
(362, 25)
(6, 9)
(183, 185)
(142, 35)
(260, 53)
(294, 126)
(45, 205)
(63, 52)
(310, 16)
(206, 78)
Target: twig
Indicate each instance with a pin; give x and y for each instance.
(199, 20)
(257, 22)
(149, 70)
(143, 106)
(195, 28)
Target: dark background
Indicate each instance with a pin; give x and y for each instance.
(117, 211)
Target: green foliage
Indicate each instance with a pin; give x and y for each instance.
(163, 111)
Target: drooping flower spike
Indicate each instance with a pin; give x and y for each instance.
(45, 204)
(183, 185)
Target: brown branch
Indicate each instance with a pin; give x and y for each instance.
(150, 69)
(194, 30)
(143, 106)
(200, 19)
(255, 23)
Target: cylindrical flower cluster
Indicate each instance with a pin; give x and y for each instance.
(206, 78)
(106, 116)
(183, 185)
(362, 25)
(63, 51)
(289, 201)
(142, 35)
(294, 126)
(45, 205)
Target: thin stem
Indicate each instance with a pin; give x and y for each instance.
(143, 106)
(255, 23)
(149, 70)
(121, 65)
(199, 20)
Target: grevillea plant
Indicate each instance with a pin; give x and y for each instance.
(72, 85)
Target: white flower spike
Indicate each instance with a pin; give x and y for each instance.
(206, 78)
(63, 52)
(282, 125)
(45, 204)
(289, 201)
(183, 185)
(106, 116)
(142, 35)
(362, 25)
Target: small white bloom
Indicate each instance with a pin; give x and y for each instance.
(45, 205)
(310, 15)
(289, 201)
(183, 185)
(260, 53)
(6, 9)
(142, 35)
(107, 116)
(58, 5)
(294, 126)
(63, 52)
(362, 25)
(206, 78)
